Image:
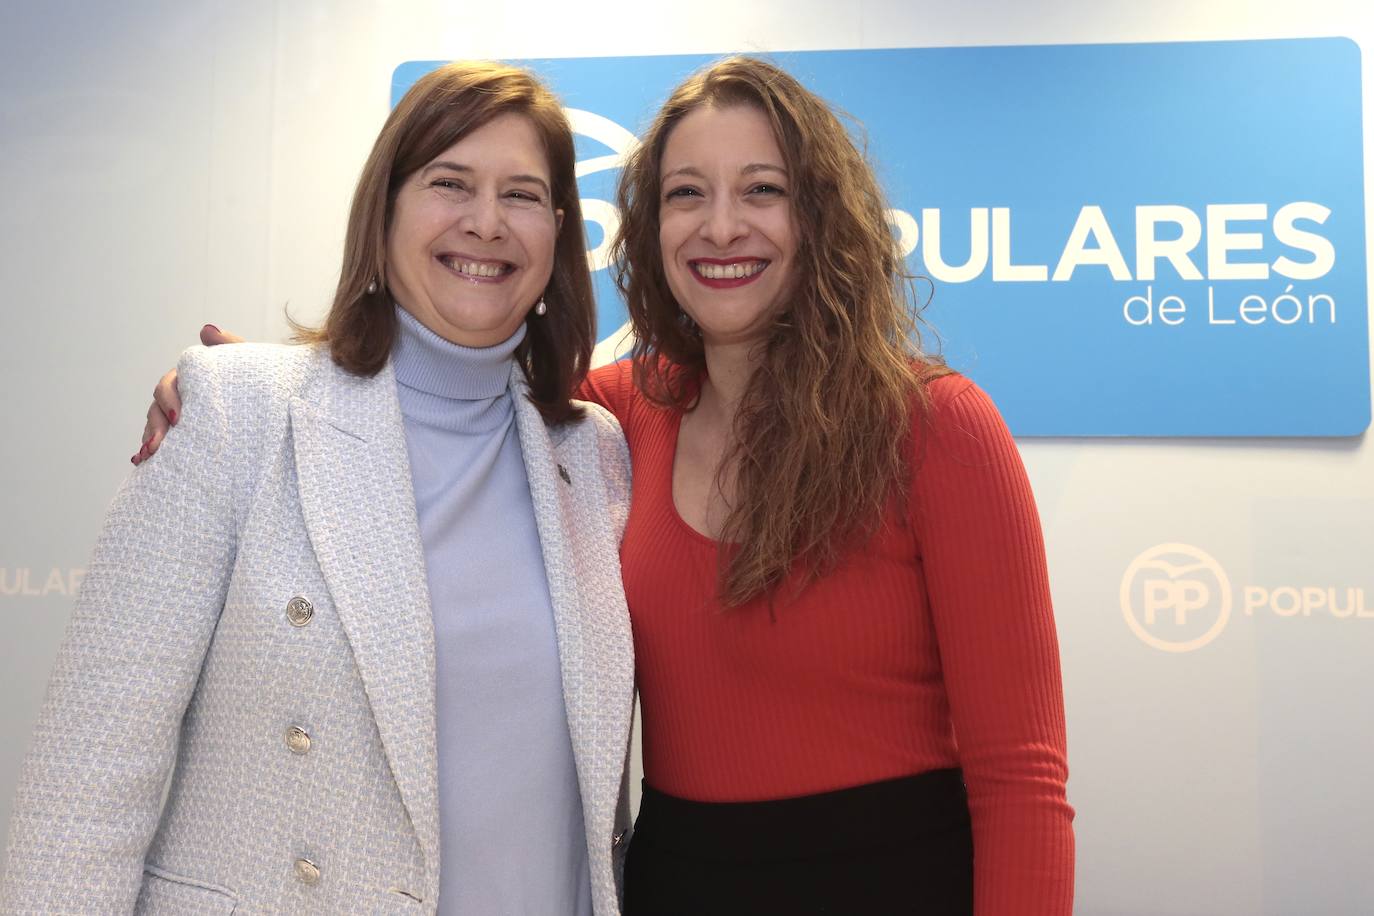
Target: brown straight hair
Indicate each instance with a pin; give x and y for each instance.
(823, 431)
(442, 107)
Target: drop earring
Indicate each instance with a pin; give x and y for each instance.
(540, 308)
(372, 288)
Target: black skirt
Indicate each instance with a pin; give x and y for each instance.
(899, 846)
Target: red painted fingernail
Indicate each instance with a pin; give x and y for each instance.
(172, 417)
(212, 327)
(134, 461)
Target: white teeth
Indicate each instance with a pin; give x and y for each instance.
(737, 271)
(476, 268)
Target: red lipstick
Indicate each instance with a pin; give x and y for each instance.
(726, 282)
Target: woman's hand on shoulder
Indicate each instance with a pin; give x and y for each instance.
(166, 406)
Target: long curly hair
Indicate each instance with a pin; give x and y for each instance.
(822, 436)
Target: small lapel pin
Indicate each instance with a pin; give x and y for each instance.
(563, 472)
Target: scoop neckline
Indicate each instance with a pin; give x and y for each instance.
(682, 523)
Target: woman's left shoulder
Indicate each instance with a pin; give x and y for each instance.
(946, 391)
(958, 420)
(952, 400)
(597, 424)
(596, 438)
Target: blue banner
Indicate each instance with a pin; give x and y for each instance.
(1123, 240)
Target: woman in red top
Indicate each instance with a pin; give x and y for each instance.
(845, 648)
(833, 561)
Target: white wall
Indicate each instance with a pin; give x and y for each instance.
(164, 164)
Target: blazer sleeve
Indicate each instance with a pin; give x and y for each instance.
(91, 787)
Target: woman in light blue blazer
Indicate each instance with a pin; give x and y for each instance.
(365, 611)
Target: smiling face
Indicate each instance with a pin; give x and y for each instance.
(726, 229)
(470, 245)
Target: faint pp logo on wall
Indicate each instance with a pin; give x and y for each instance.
(1176, 597)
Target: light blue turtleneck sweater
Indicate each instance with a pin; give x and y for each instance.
(510, 814)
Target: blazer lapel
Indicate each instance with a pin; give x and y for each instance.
(355, 488)
(594, 649)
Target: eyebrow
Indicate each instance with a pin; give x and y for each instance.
(467, 169)
(749, 169)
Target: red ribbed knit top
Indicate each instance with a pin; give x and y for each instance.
(940, 626)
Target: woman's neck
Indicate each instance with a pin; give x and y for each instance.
(729, 367)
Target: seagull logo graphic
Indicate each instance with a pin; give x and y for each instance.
(622, 143)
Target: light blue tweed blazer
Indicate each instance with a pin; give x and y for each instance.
(304, 752)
